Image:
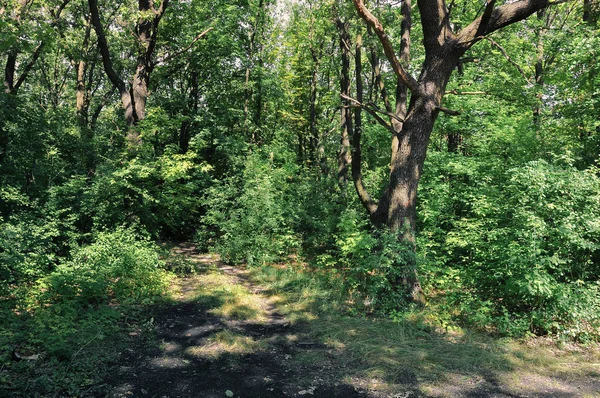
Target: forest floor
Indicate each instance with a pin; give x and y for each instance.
(227, 332)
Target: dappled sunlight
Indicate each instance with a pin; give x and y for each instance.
(170, 362)
(413, 354)
(203, 330)
(526, 383)
(225, 342)
(170, 347)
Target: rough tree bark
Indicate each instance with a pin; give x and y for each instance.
(135, 92)
(415, 114)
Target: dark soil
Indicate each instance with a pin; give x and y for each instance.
(158, 363)
(161, 362)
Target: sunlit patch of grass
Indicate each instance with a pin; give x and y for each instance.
(300, 296)
(237, 301)
(542, 361)
(414, 350)
(226, 342)
(221, 294)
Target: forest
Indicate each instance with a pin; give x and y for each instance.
(433, 163)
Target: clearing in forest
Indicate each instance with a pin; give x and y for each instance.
(235, 332)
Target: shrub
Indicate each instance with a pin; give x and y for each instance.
(252, 217)
(525, 242)
(27, 249)
(118, 264)
(373, 263)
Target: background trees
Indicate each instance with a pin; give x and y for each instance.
(258, 113)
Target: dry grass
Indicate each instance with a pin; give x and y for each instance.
(226, 342)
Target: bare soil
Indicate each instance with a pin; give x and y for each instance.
(164, 363)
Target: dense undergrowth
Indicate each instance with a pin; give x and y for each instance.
(62, 331)
(500, 250)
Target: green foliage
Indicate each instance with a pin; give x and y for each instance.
(372, 263)
(253, 214)
(160, 194)
(523, 246)
(27, 250)
(70, 317)
(117, 265)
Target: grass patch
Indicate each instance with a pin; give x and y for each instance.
(226, 342)
(73, 348)
(413, 351)
(222, 295)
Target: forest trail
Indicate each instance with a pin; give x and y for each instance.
(223, 335)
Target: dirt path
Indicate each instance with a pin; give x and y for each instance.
(196, 351)
(222, 336)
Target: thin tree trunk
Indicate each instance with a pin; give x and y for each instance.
(344, 156)
(82, 103)
(539, 74)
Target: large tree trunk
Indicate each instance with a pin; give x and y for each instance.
(412, 126)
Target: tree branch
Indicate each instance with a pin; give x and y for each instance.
(59, 10)
(169, 57)
(104, 51)
(158, 14)
(34, 58)
(447, 111)
(374, 111)
(499, 17)
(508, 58)
(356, 158)
(401, 106)
(372, 21)
(485, 18)
(378, 80)
(435, 20)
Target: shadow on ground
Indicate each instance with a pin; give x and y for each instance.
(225, 338)
(194, 354)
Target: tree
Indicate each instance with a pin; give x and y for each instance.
(134, 93)
(414, 116)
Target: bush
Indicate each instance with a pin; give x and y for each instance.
(27, 249)
(117, 265)
(160, 194)
(252, 218)
(525, 242)
(373, 263)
